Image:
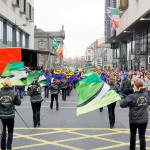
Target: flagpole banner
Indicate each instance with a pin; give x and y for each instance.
(94, 93)
(114, 15)
(57, 47)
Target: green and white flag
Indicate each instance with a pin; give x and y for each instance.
(12, 66)
(42, 80)
(94, 93)
(15, 71)
(30, 77)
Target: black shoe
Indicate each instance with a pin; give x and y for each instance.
(111, 126)
(39, 124)
(101, 109)
(51, 107)
(57, 109)
(34, 125)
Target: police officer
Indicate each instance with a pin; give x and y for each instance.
(34, 91)
(8, 98)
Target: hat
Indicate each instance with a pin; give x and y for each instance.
(124, 76)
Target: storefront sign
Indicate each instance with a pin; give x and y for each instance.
(137, 47)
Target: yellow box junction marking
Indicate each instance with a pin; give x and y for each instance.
(73, 131)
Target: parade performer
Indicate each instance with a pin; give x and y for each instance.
(34, 91)
(138, 114)
(63, 85)
(8, 98)
(54, 88)
(111, 107)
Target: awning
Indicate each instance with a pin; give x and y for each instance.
(45, 52)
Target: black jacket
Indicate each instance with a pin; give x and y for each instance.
(63, 83)
(138, 107)
(126, 87)
(54, 88)
(34, 91)
(8, 99)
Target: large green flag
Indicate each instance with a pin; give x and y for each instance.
(30, 77)
(12, 66)
(94, 93)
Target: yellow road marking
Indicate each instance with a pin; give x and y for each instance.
(59, 143)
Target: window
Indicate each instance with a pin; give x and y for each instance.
(17, 1)
(24, 8)
(143, 41)
(23, 40)
(105, 58)
(89, 58)
(89, 51)
(9, 35)
(18, 38)
(1, 31)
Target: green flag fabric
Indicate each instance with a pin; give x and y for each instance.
(42, 80)
(30, 77)
(55, 44)
(94, 93)
(14, 82)
(12, 66)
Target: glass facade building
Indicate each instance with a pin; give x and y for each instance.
(11, 35)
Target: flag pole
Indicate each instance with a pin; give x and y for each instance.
(47, 61)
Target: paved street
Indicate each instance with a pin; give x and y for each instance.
(63, 130)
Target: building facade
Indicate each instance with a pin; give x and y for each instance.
(17, 23)
(131, 42)
(99, 54)
(44, 41)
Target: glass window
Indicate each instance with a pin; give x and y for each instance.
(89, 51)
(9, 35)
(89, 58)
(148, 39)
(1, 31)
(143, 41)
(23, 40)
(18, 38)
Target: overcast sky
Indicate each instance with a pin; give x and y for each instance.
(83, 22)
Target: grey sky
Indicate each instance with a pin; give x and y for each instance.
(83, 21)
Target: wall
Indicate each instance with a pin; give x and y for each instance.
(13, 14)
(136, 9)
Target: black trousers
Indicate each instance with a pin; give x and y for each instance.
(36, 107)
(64, 94)
(46, 91)
(68, 91)
(9, 123)
(141, 129)
(54, 96)
(111, 113)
